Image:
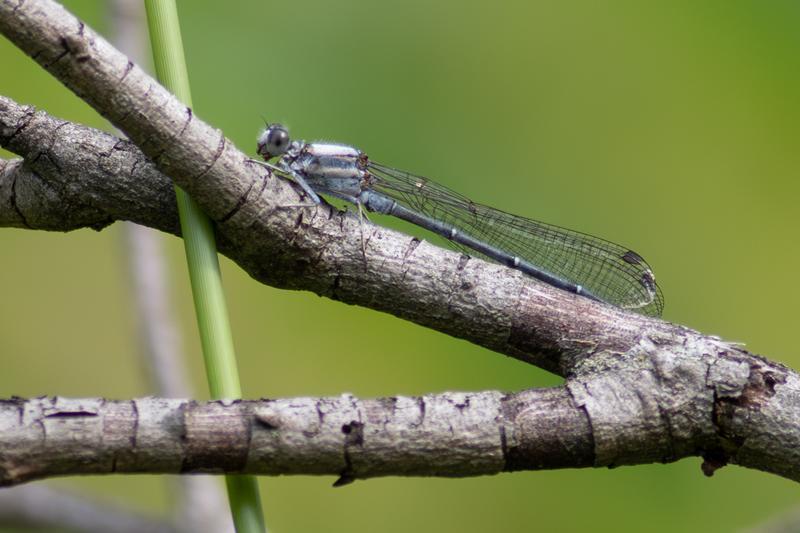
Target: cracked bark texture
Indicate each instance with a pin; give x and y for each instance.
(628, 416)
(638, 389)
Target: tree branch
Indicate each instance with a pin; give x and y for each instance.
(452, 434)
(598, 421)
(76, 177)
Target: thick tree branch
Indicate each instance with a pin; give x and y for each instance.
(76, 177)
(450, 434)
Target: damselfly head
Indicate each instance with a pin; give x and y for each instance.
(274, 141)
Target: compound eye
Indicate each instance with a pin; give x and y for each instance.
(274, 141)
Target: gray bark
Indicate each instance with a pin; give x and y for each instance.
(451, 434)
(631, 415)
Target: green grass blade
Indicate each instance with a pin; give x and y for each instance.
(203, 263)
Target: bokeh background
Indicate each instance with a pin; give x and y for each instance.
(671, 127)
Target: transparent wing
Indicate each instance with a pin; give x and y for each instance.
(611, 272)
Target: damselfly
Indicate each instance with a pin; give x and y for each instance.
(567, 259)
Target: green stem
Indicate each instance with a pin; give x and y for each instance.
(201, 257)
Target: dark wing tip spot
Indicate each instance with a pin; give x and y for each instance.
(633, 258)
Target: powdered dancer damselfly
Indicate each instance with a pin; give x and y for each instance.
(570, 260)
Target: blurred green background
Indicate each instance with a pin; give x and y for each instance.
(670, 127)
